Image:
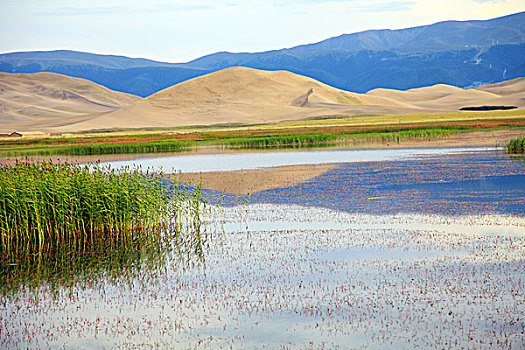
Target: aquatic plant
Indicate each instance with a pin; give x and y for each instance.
(102, 148)
(59, 218)
(286, 140)
(44, 203)
(84, 262)
(306, 133)
(516, 145)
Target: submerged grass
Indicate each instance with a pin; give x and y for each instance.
(516, 145)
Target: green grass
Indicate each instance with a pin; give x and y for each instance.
(516, 145)
(44, 204)
(403, 134)
(257, 138)
(41, 149)
(283, 140)
(309, 139)
(62, 223)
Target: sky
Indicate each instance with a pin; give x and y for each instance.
(178, 31)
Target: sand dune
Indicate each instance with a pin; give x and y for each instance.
(233, 95)
(244, 95)
(506, 87)
(35, 100)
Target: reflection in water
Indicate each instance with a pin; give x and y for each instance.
(464, 184)
(118, 260)
(403, 281)
(87, 262)
(298, 276)
(238, 161)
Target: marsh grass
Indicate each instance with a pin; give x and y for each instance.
(44, 203)
(516, 145)
(100, 148)
(62, 221)
(312, 134)
(324, 139)
(280, 140)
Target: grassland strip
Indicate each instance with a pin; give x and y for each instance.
(338, 131)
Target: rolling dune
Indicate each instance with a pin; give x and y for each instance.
(39, 99)
(54, 103)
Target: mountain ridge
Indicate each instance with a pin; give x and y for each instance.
(461, 53)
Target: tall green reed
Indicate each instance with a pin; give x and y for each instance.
(47, 203)
(516, 145)
(59, 221)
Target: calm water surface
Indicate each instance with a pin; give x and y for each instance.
(238, 161)
(390, 249)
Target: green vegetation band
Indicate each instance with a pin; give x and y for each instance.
(46, 203)
(516, 145)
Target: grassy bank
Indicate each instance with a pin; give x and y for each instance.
(516, 145)
(307, 133)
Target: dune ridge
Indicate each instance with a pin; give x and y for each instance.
(237, 95)
(34, 100)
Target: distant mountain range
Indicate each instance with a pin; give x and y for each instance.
(459, 53)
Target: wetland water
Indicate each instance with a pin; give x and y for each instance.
(422, 251)
(251, 160)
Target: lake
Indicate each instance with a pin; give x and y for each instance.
(251, 160)
(388, 249)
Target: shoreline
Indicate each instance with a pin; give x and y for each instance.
(243, 182)
(493, 138)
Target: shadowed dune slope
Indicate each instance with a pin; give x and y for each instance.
(510, 92)
(443, 97)
(36, 98)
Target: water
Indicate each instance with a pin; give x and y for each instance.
(238, 161)
(366, 280)
(446, 184)
(436, 262)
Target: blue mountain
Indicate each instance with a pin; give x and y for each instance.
(461, 53)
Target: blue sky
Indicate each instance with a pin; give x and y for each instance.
(179, 31)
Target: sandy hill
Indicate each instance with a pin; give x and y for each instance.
(242, 95)
(38, 99)
(505, 87)
(443, 97)
(245, 95)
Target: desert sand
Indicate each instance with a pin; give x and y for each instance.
(54, 103)
(40, 100)
(253, 180)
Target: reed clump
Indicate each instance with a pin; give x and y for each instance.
(47, 204)
(282, 141)
(42, 149)
(516, 145)
(62, 222)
